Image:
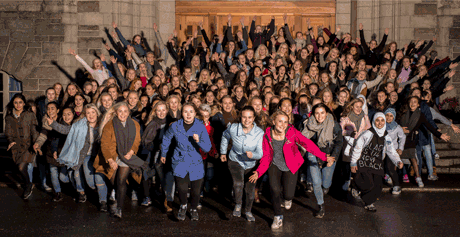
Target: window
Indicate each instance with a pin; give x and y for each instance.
(9, 86)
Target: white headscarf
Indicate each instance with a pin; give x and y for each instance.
(363, 98)
(380, 131)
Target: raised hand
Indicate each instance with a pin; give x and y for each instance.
(71, 51)
(308, 22)
(102, 57)
(114, 35)
(175, 33)
(203, 44)
(338, 29)
(451, 73)
(453, 65)
(114, 25)
(242, 21)
(254, 18)
(285, 18)
(240, 35)
(387, 30)
(113, 59)
(200, 24)
(195, 34)
(361, 26)
(229, 18)
(155, 27)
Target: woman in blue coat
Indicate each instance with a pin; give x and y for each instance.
(187, 163)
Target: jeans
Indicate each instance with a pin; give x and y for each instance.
(42, 173)
(433, 148)
(169, 186)
(58, 173)
(30, 170)
(241, 183)
(93, 179)
(319, 177)
(209, 169)
(429, 160)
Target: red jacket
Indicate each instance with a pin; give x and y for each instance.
(213, 151)
(291, 152)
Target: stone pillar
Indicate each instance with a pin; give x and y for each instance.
(343, 16)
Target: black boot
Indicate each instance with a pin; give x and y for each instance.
(321, 212)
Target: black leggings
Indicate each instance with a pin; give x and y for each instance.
(182, 186)
(241, 180)
(370, 185)
(122, 176)
(23, 170)
(288, 180)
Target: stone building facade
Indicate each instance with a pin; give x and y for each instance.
(35, 35)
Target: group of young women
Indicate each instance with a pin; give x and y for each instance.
(220, 116)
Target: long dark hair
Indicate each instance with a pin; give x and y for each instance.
(10, 105)
(324, 106)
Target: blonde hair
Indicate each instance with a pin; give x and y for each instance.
(257, 55)
(110, 114)
(99, 100)
(154, 109)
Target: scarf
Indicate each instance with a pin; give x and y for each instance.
(70, 153)
(324, 130)
(125, 136)
(379, 131)
(393, 124)
(365, 108)
(355, 86)
(356, 119)
(410, 119)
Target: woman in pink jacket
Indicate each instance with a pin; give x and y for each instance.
(282, 159)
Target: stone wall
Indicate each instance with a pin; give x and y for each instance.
(35, 35)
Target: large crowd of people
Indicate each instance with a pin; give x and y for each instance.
(188, 119)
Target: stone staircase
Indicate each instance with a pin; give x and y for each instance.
(449, 153)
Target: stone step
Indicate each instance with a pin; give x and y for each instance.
(448, 153)
(447, 146)
(447, 161)
(454, 169)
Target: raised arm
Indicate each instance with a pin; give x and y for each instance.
(120, 36)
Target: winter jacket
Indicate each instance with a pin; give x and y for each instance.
(109, 150)
(398, 137)
(292, 155)
(241, 143)
(22, 131)
(187, 158)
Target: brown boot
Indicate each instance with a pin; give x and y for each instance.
(411, 172)
(256, 196)
(434, 171)
(167, 206)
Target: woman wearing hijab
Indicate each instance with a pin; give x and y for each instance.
(399, 139)
(324, 131)
(282, 159)
(187, 164)
(353, 123)
(368, 158)
(246, 149)
(119, 145)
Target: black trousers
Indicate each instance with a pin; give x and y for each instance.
(370, 185)
(391, 170)
(182, 185)
(288, 180)
(241, 181)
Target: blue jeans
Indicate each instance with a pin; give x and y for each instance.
(429, 160)
(209, 168)
(58, 173)
(433, 148)
(169, 185)
(30, 170)
(93, 179)
(319, 177)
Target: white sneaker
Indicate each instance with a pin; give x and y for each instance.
(134, 196)
(277, 222)
(287, 204)
(388, 180)
(436, 156)
(419, 182)
(112, 195)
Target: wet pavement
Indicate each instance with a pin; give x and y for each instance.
(408, 214)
